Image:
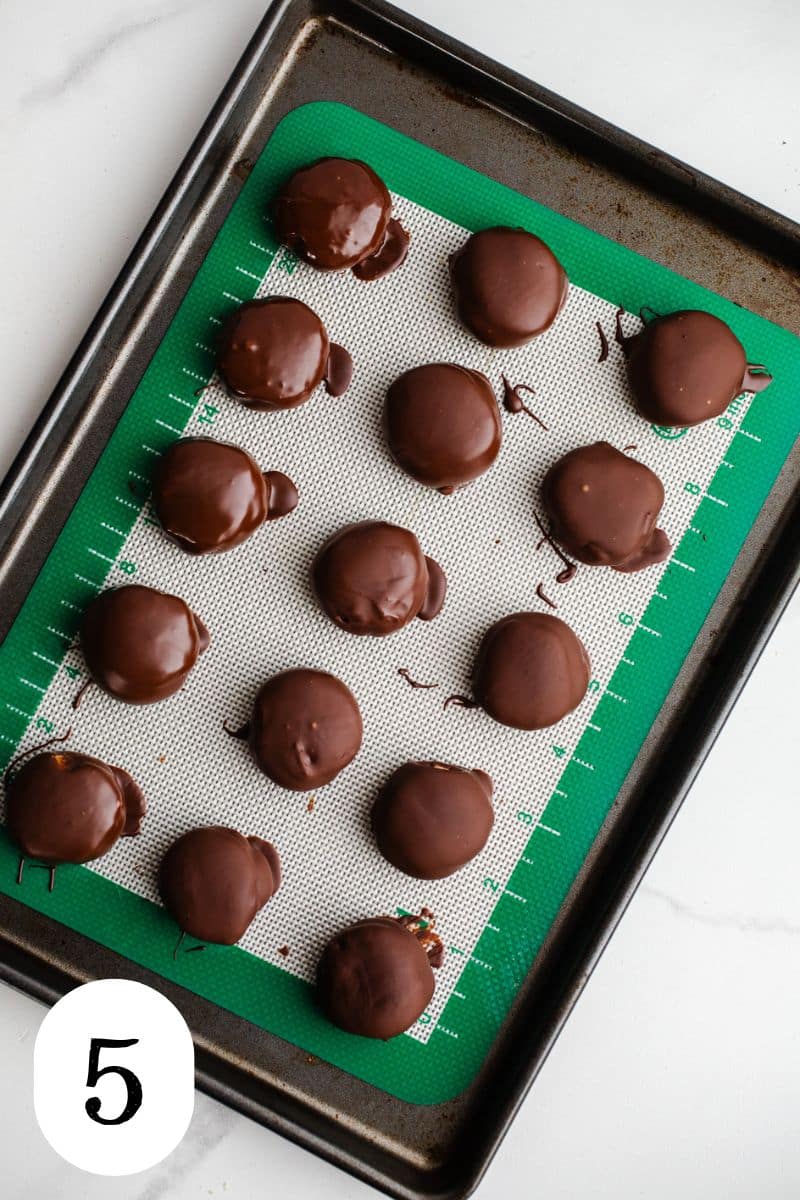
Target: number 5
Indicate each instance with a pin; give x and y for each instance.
(134, 1100)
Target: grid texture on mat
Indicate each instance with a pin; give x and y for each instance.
(263, 618)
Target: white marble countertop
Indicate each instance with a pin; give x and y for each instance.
(679, 1072)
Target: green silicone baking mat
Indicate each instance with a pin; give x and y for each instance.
(553, 788)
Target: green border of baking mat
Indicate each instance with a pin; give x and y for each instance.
(164, 404)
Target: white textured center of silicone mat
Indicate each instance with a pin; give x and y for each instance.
(258, 605)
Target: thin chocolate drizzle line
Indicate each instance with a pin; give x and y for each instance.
(619, 336)
(51, 882)
(404, 672)
(569, 566)
(513, 402)
(206, 386)
(241, 734)
(632, 446)
(33, 750)
(81, 692)
(540, 593)
(178, 945)
(193, 949)
(653, 314)
(460, 701)
(603, 342)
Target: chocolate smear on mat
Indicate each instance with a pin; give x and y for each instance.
(460, 701)
(339, 371)
(603, 342)
(390, 256)
(284, 951)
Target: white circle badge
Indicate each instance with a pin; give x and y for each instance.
(113, 1077)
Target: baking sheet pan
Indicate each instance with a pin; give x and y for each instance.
(440, 1147)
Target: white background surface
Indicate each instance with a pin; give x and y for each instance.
(679, 1072)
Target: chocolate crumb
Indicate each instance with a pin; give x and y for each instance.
(312, 800)
(283, 951)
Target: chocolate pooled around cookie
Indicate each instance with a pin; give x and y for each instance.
(432, 818)
(531, 671)
(140, 644)
(213, 881)
(211, 496)
(67, 807)
(684, 368)
(443, 424)
(305, 728)
(336, 213)
(274, 352)
(603, 507)
(374, 978)
(372, 579)
(509, 286)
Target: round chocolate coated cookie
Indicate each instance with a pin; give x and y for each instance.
(334, 213)
(443, 424)
(139, 643)
(213, 881)
(210, 496)
(684, 368)
(372, 579)
(531, 670)
(375, 978)
(431, 818)
(274, 352)
(71, 808)
(305, 728)
(509, 286)
(603, 507)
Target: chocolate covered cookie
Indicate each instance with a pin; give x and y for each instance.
(509, 286)
(305, 728)
(443, 424)
(432, 818)
(531, 671)
(213, 881)
(372, 579)
(603, 507)
(336, 213)
(211, 496)
(274, 352)
(375, 978)
(140, 644)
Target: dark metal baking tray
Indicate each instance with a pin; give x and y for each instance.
(369, 55)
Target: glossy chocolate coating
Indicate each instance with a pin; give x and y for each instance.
(139, 643)
(372, 579)
(333, 213)
(443, 424)
(603, 507)
(71, 808)
(391, 254)
(374, 978)
(531, 670)
(509, 286)
(684, 368)
(273, 353)
(213, 881)
(431, 818)
(209, 496)
(305, 728)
